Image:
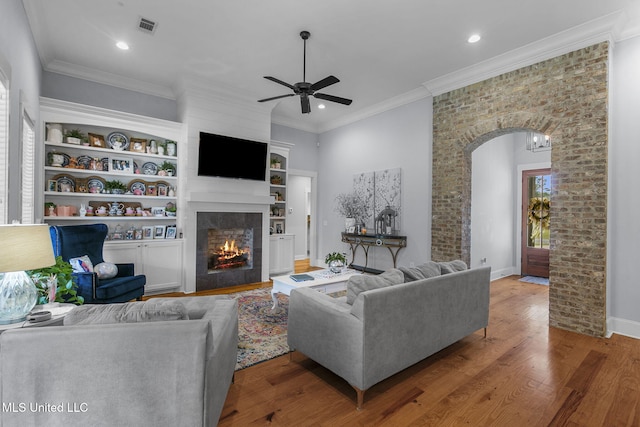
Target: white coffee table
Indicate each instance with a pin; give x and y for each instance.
(323, 281)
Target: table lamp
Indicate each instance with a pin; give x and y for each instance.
(22, 247)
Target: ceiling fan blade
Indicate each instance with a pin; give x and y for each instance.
(327, 81)
(273, 79)
(304, 101)
(275, 97)
(332, 98)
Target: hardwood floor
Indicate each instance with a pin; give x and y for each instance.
(523, 374)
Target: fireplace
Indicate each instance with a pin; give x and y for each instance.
(228, 249)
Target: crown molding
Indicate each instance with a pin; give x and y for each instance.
(588, 34)
(102, 77)
(381, 107)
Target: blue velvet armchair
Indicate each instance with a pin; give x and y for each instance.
(73, 241)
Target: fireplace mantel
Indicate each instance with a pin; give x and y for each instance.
(199, 197)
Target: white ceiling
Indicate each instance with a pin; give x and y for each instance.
(383, 52)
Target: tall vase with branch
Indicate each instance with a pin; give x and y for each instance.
(352, 207)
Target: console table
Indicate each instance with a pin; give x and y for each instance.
(366, 241)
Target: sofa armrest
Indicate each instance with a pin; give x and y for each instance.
(86, 283)
(125, 270)
(222, 355)
(327, 332)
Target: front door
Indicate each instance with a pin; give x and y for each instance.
(536, 202)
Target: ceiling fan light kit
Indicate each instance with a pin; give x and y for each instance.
(305, 89)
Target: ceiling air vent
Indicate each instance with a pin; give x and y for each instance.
(146, 25)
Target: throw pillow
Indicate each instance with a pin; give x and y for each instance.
(81, 264)
(131, 312)
(423, 271)
(106, 270)
(452, 266)
(363, 282)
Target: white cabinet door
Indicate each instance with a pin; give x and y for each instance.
(159, 260)
(162, 264)
(281, 254)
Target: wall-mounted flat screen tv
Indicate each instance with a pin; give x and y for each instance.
(228, 157)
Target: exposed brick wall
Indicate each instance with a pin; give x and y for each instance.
(565, 97)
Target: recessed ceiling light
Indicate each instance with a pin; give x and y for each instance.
(122, 45)
(321, 106)
(474, 38)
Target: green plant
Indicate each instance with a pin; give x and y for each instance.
(66, 287)
(115, 185)
(335, 256)
(166, 165)
(76, 133)
(170, 207)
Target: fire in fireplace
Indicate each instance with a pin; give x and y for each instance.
(230, 249)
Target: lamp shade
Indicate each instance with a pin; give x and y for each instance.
(22, 247)
(25, 247)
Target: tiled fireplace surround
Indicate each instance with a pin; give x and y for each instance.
(225, 210)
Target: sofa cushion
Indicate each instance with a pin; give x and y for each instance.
(452, 266)
(423, 271)
(363, 282)
(131, 312)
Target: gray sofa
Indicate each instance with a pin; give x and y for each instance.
(123, 365)
(389, 327)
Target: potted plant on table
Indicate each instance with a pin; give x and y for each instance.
(60, 276)
(336, 261)
(352, 207)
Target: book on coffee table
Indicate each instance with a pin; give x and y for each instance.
(301, 277)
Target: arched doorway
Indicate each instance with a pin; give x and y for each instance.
(565, 97)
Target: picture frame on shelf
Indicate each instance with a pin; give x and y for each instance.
(147, 232)
(162, 190)
(171, 232)
(139, 145)
(52, 185)
(96, 140)
(159, 231)
(151, 189)
(158, 211)
(120, 165)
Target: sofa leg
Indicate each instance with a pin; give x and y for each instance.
(485, 332)
(359, 397)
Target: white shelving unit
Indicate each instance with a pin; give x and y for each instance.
(159, 259)
(279, 158)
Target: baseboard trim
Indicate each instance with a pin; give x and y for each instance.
(628, 328)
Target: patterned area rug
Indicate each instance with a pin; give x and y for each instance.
(262, 331)
(536, 280)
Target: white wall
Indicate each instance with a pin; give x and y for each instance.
(19, 61)
(623, 240)
(81, 91)
(304, 153)
(298, 206)
(493, 190)
(402, 138)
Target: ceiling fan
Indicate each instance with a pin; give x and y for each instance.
(305, 89)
